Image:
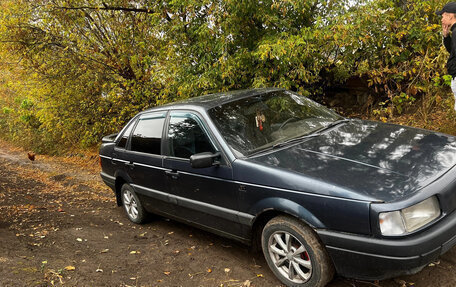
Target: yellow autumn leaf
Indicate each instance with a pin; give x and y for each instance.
(70, 268)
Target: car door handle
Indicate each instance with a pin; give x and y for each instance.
(130, 164)
(173, 174)
(113, 157)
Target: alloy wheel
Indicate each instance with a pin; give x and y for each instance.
(131, 207)
(290, 257)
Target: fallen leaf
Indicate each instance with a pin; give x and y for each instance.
(260, 275)
(167, 273)
(209, 270)
(134, 252)
(169, 233)
(402, 283)
(70, 268)
(227, 270)
(104, 250)
(246, 283)
(79, 239)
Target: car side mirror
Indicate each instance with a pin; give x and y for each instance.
(205, 159)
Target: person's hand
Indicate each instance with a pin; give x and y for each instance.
(445, 30)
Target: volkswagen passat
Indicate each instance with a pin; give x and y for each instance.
(317, 192)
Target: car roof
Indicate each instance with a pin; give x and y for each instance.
(213, 100)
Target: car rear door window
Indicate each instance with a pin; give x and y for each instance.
(148, 134)
(187, 136)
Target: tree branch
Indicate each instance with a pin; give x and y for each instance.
(110, 8)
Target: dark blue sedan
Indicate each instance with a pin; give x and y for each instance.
(317, 192)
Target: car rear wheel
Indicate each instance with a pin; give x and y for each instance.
(294, 253)
(132, 205)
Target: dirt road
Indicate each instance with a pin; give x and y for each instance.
(60, 226)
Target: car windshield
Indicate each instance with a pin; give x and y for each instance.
(256, 123)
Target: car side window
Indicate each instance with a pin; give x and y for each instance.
(123, 140)
(148, 134)
(187, 136)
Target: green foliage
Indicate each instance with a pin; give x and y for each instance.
(397, 46)
(75, 70)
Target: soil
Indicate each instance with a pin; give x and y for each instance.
(60, 226)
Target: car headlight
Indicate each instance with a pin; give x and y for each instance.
(409, 219)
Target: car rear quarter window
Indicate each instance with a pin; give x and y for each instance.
(123, 140)
(148, 134)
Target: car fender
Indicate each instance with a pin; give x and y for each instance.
(287, 206)
(123, 175)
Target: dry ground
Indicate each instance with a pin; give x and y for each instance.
(60, 226)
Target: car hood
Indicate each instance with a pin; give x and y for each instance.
(381, 161)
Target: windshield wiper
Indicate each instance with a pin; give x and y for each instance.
(294, 140)
(331, 125)
(313, 134)
(299, 138)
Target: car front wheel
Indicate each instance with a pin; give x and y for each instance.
(294, 253)
(132, 205)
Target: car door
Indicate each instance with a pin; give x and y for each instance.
(206, 196)
(144, 163)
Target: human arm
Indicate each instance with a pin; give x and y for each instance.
(447, 39)
(447, 43)
(452, 46)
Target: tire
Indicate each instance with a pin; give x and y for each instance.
(295, 254)
(132, 206)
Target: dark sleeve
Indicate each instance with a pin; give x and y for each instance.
(453, 45)
(447, 43)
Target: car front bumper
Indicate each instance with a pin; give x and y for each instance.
(370, 258)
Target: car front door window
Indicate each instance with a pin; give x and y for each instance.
(187, 136)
